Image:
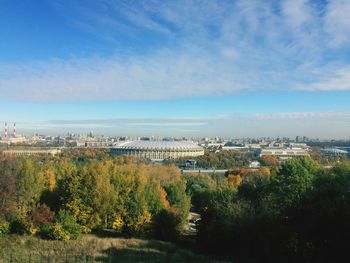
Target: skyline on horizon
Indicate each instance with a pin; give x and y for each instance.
(177, 68)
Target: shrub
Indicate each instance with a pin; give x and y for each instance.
(58, 232)
(167, 225)
(65, 227)
(22, 226)
(4, 228)
(42, 216)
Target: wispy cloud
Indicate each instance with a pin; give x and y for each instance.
(337, 22)
(338, 80)
(168, 124)
(192, 49)
(303, 115)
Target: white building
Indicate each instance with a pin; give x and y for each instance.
(334, 152)
(32, 151)
(158, 150)
(254, 164)
(284, 153)
(13, 140)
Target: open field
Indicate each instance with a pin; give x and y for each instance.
(91, 248)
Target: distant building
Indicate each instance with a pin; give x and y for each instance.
(29, 152)
(298, 145)
(92, 144)
(190, 164)
(254, 164)
(334, 152)
(158, 150)
(234, 148)
(13, 140)
(284, 153)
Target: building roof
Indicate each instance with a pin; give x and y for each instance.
(334, 150)
(173, 145)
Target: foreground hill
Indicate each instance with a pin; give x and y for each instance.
(91, 248)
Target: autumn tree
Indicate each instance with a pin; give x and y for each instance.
(29, 185)
(270, 161)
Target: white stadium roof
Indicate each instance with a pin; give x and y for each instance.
(173, 145)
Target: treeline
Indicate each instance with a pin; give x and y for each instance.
(299, 213)
(296, 212)
(220, 160)
(62, 198)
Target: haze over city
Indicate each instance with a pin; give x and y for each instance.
(176, 68)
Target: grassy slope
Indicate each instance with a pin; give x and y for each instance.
(93, 249)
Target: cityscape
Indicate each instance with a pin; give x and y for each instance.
(174, 131)
(160, 149)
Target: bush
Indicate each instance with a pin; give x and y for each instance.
(58, 232)
(42, 216)
(167, 225)
(4, 228)
(64, 228)
(22, 226)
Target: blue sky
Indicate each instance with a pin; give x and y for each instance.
(182, 68)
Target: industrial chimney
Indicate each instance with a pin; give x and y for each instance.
(5, 130)
(14, 130)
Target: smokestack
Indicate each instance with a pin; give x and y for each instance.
(5, 130)
(14, 130)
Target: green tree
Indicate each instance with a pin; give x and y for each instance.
(29, 185)
(176, 193)
(65, 227)
(197, 186)
(293, 181)
(8, 206)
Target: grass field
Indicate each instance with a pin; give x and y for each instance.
(91, 248)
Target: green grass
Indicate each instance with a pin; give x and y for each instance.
(91, 248)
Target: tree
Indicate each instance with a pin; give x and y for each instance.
(167, 225)
(65, 227)
(319, 224)
(97, 192)
(254, 191)
(293, 181)
(8, 205)
(197, 186)
(29, 185)
(178, 199)
(270, 161)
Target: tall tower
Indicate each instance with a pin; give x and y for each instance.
(14, 130)
(5, 130)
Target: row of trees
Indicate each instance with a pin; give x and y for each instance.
(222, 159)
(59, 198)
(298, 211)
(301, 212)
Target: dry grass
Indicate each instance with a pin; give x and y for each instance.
(93, 249)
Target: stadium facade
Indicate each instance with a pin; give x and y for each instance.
(158, 150)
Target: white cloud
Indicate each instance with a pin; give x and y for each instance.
(301, 115)
(167, 124)
(158, 77)
(337, 22)
(297, 13)
(338, 80)
(205, 48)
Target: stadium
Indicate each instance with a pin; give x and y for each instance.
(158, 150)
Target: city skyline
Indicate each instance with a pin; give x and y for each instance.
(177, 68)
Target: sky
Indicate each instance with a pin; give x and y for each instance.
(244, 68)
